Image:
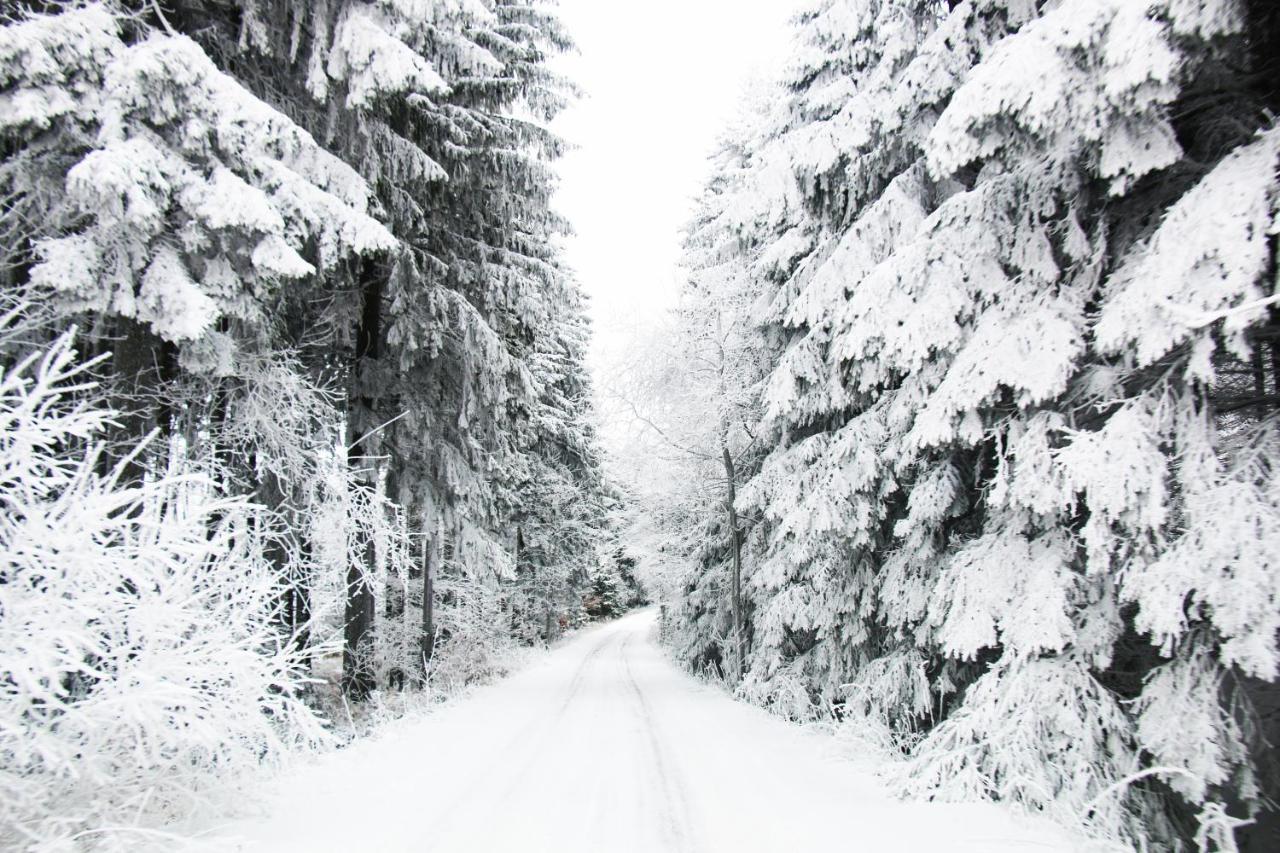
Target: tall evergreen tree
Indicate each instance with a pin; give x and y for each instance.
(1016, 360)
(343, 205)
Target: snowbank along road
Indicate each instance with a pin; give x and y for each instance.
(605, 745)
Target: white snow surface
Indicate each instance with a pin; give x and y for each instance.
(607, 745)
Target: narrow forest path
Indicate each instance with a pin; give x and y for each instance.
(607, 746)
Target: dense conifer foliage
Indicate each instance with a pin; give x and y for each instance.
(284, 276)
(962, 439)
(991, 291)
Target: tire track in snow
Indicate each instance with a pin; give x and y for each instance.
(580, 674)
(543, 738)
(606, 785)
(524, 745)
(677, 821)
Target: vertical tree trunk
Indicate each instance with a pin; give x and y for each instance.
(1271, 342)
(735, 543)
(1275, 369)
(394, 589)
(298, 601)
(359, 676)
(735, 536)
(358, 666)
(428, 595)
(140, 365)
(295, 592)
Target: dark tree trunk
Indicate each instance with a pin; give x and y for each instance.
(735, 544)
(141, 363)
(1273, 326)
(394, 589)
(237, 474)
(298, 606)
(295, 585)
(359, 675)
(1275, 365)
(428, 598)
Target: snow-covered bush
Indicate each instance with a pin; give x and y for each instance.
(474, 644)
(1041, 733)
(140, 660)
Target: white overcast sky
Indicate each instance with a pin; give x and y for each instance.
(662, 78)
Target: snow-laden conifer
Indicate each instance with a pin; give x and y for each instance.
(1021, 273)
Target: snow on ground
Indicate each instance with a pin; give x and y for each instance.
(605, 745)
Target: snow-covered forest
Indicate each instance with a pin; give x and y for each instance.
(959, 447)
(288, 351)
(977, 364)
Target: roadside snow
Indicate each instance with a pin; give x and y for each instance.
(606, 745)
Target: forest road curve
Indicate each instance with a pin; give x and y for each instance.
(606, 745)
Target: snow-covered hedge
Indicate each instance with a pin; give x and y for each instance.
(140, 664)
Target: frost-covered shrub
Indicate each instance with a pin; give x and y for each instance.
(474, 645)
(1042, 733)
(140, 663)
(786, 692)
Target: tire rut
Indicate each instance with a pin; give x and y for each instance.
(677, 819)
(524, 745)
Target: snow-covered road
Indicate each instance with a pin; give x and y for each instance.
(606, 746)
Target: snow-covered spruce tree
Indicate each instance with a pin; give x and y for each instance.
(171, 203)
(492, 240)
(430, 333)
(415, 301)
(845, 134)
(359, 76)
(1084, 478)
(1027, 337)
(724, 344)
(509, 463)
(137, 623)
(561, 501)
(179, 239)
(524, 491)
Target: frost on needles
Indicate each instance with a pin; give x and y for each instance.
(323, 430)
(1007, 480)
